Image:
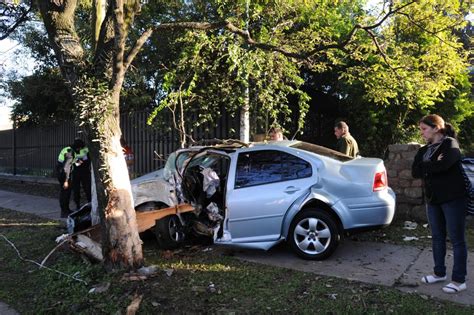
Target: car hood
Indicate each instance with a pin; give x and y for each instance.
(148, 177)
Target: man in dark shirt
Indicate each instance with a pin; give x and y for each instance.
(346, 144)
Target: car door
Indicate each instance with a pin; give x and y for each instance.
(266, 184)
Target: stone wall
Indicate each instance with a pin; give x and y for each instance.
(410, 203)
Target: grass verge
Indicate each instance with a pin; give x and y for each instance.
(193, 280)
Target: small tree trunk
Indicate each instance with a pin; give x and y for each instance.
(245, 118)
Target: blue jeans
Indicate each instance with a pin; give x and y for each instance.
(450, 215)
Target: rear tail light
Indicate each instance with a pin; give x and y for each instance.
(380, 181)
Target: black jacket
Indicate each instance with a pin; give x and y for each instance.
(443, 180)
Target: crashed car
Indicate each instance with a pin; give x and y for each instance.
(257, 195)
(260, 194)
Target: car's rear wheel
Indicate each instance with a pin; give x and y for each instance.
(313, 235)
(169, 232)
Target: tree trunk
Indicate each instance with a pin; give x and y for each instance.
(96, 98)
(120, 239)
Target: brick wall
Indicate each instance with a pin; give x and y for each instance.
(410, 203)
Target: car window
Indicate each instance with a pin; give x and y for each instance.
(269, 166)
(218, 163)
(293, 167)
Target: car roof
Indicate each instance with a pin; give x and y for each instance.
(231, 146)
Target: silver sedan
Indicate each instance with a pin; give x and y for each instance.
(257, 195)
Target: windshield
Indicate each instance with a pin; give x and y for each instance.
(305, 146)
(174, 164)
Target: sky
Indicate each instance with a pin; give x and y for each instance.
(9, 51)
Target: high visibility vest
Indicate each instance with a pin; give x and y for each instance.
(65, 159)
(63, 155)
(82, 155)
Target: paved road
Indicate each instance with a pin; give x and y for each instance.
(389, 265)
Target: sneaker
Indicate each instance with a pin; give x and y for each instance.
(432, 279)
(452, 288)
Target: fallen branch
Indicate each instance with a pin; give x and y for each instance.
(40, 265)
(52, 251)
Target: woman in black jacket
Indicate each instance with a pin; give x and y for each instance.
(438, 164)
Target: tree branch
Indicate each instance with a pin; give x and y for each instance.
(119, 48)
(59, 23)
(11, 12)
(435, 34)
(245, 35)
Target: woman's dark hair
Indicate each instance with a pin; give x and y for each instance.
(434, 120)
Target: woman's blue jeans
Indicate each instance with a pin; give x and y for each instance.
(451, 217)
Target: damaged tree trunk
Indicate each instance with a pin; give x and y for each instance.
(95, 90)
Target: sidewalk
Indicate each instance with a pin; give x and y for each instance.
(40, 206)
(395, 266)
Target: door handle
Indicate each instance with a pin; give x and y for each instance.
(291, 189)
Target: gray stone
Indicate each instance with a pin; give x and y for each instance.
(392, 173)
(404, 183)
(405, 174)
(415, 193)
(417, 183)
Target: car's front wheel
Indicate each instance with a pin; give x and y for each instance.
(169, 232)
(313, 235)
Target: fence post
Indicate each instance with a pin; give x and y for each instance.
(14, 147)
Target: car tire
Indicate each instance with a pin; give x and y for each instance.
(313, 234)
(169, 232)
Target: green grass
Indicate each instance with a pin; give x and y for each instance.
(201, 282)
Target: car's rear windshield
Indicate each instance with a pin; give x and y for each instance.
(321, 151)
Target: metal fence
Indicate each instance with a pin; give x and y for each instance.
(34, 150)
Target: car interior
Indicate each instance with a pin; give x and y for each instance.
(209, 203)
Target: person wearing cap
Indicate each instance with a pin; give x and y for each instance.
(81, 172)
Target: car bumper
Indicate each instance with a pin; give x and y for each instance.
(377, 210)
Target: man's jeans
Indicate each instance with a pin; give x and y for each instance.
(450, 215)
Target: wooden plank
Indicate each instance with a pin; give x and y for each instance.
(147, 219)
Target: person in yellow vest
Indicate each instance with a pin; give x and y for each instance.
(64, 174)
(81, 173)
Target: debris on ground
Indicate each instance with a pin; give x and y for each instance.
(100, 288)
(133, 276)
(88, 247)
(148, 271)
(86, 242)
(133, 307)
(410, 238)
(332, 296)
(409, 225)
